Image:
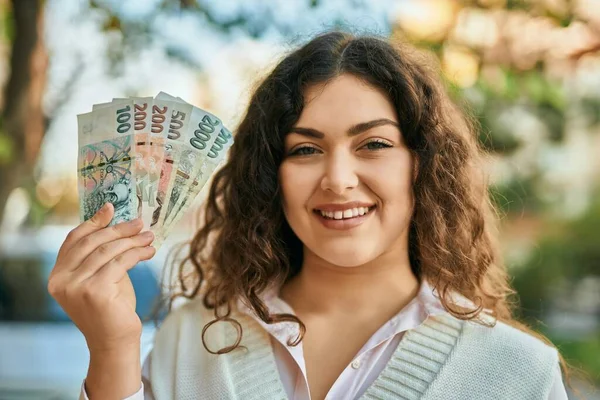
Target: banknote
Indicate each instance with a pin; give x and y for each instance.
(203, 170)
(142, 124)
(142, 127)
(106, 171)
(198, 140)
(178, 124)
(161, 115)
(142, 107)
(209, 165)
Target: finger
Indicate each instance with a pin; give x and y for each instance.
(116, 269)
(108, 251)
(88, 244)
(100, 220)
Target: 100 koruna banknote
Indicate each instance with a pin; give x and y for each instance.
(106, 162)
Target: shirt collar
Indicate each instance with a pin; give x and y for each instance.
(426, 303)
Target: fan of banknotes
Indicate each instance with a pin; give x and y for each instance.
(149, 157)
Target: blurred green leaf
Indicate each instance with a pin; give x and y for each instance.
(518, 5)
(553, 118)
(512, 89)
(570, 252)
(7, 23)
(112, 23)
(517, 197)
(590, 107)
(7, 149)
(535, 86)
(585, 353)
(496, 138)
(187, 4)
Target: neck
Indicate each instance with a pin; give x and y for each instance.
(385, 285)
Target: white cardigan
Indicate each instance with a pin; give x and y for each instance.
(443, 358)
(414, 314)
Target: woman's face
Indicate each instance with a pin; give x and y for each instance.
(346, 147)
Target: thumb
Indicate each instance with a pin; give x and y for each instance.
(103, 216)
(98, 221)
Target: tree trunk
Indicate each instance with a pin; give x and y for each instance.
(22, 116)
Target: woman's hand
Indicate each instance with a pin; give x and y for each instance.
(91, 284)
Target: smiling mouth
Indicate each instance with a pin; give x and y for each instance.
(346, 214)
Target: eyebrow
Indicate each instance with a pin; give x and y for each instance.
(352, 131)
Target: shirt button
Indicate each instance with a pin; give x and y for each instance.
(355, 364)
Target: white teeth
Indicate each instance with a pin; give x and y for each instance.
(349, 213)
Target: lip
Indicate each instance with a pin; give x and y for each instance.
(332, 207)
(344, 224)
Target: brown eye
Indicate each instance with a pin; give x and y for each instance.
(377, 145)
(303, 151)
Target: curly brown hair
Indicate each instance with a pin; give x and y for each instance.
(245, 244)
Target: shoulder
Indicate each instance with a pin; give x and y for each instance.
(499, 350)
(497, 360)
(508, 341)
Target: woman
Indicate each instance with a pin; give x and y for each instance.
(347, 251)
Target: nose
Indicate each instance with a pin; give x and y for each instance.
(340, 173)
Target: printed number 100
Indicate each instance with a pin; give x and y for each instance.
(123, 117)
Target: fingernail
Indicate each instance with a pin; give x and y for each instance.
(147, 235)
(103, 208)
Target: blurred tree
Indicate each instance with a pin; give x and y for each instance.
(22, 123)
(525, 69)
(137, 32)
(550, 281)
(566, 255)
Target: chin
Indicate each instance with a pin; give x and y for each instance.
(347, 259)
